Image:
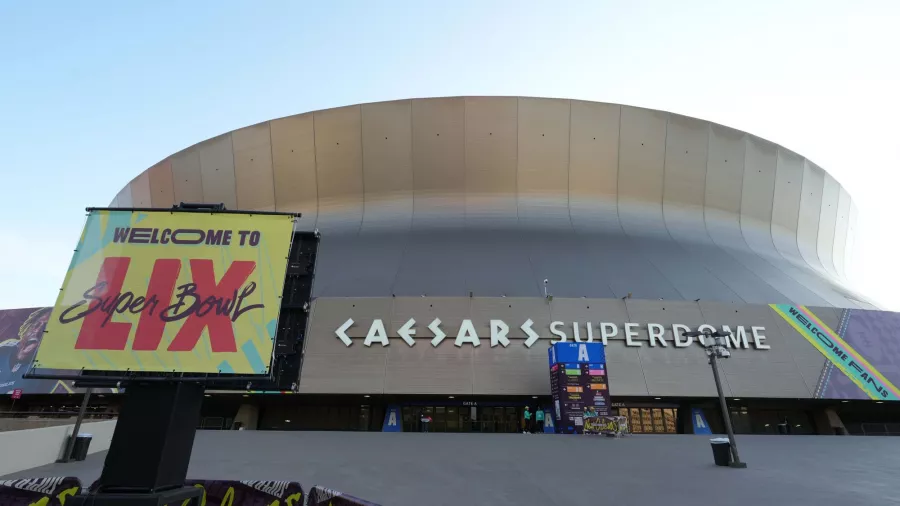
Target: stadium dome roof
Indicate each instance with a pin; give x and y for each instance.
(491, 195)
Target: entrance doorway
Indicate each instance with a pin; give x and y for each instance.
(493, 419)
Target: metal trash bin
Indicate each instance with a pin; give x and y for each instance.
(721, 449)
(80, 449)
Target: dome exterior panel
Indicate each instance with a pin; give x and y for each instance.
(492, 195)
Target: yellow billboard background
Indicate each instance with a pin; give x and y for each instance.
(199, 241)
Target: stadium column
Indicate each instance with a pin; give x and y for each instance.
(247, 416)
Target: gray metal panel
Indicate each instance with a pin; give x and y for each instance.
(827, 223)
(497, 264)
(786, 206)
(840, 232)
(432, 265)
(626, 376)
(810, 210)
(358, 266)
(629, 272)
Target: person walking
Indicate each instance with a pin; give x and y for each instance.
(426, 420)
(539, 419)
(528, 427)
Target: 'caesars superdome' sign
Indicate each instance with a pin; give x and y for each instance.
(740, 337)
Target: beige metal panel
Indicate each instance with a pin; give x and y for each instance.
(623, 365)
(513, 311)
(217, 171)
(186, 178)
(323, 350)
(850, 250)
(828, 223)
(253, 175)
(664, 312)
(840, 231)
(294, 167)
(757, 378)
(446, 370)
(724, 181)
(330, 313)
(140, 190)
(339, 168)
(491, 157)
(786, 206)
(687, 140)
(123, 198)
(162, 190)
(757, 194)
(450, 310)
(543, 162)
(642, 148)
(675, 372)
(327, 373)
(439, 162)
(595, 311)
(516, 370)
(594, 166)
(810, 210)
(387, 165)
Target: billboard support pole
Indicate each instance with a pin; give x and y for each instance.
(70, 444)
(151, 448)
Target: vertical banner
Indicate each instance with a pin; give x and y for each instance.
(578, 383)
(170, 291)
(392, 420)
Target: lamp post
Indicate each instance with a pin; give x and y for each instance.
(714, 343)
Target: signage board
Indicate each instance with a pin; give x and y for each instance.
(578, 383)
(16, 394)
(169, 291)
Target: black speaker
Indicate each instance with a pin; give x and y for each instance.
(151, 446)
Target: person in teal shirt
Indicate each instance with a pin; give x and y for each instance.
(539, 418)
(528, 427)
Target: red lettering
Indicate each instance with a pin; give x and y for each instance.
(162, 283)
(96, 332)
(221, 333)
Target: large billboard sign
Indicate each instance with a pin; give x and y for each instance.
(170, 291)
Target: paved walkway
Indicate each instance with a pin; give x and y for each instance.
(517, 469)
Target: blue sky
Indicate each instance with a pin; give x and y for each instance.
(94, 92)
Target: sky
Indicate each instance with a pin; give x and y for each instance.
(92, 92)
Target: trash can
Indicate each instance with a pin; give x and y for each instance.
(80, 449)
(721, 449)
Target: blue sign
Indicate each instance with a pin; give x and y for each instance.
(701, 426)
(581, 353)
(392, 420)
(548, 422)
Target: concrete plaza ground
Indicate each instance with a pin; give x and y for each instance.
(506, 469)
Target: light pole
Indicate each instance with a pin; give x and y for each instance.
(714, 343)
